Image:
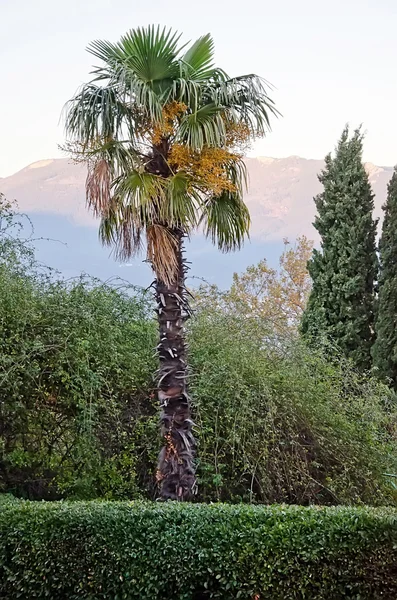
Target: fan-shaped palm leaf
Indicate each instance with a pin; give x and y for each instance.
(198, 61)
(203, 127)
(148, 54)
(226, 221)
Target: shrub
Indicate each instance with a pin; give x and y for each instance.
(280, 423)
(189, 552)
(78, 415)
(75, 362)
(275, 422)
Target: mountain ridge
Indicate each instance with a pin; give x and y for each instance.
(280, 201)
(280, 194)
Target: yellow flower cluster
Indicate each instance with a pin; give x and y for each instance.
(237, 134)
(166, 127)
(208, 166)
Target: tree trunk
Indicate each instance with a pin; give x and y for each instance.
(175, 475)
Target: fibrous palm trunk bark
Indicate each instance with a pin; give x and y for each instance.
(175, 473)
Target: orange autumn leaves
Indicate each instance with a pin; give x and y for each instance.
(275, 299)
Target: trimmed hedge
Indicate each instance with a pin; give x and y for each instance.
(120, 551)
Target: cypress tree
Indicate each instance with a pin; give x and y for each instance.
(384, 351)
(343, 270)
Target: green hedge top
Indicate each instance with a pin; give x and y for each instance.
(120, 551)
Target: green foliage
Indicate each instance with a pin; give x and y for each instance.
(15, 249)
(190, 552)
(276, 422)
(341, 305)
(75, 363)
(384, 351)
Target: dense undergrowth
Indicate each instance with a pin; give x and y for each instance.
(275, 422)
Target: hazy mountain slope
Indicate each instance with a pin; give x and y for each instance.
(280, 195)
(280, 200)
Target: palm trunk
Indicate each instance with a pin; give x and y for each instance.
(175, 473)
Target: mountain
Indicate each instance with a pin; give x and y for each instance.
(281, 192)
(280, 200)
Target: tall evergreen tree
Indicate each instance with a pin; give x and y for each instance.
(384, 351)
(341, 304)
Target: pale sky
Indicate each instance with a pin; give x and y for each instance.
(332, 62)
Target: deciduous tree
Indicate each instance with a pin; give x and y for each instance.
(277, 297)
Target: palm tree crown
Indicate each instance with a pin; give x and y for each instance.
(162, 130)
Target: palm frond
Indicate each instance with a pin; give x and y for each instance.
(237, 174)
(182, 202)
(106, 164)
(141, 94)
(204, 127)
(198, 61)
(121, 155)
(226, 221)
(151, 198)
(96, 113)
(143, 193)
(143, 63)
(98, 187)
(108, 228)
(247, 98)
(120, 229)
(149, 53)
(186, 91)
(109, 53)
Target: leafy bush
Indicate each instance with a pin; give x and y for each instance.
(75, 364)
(280, 423)
(191, 552)
(78, 414)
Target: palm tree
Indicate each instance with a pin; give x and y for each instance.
(162, 131)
